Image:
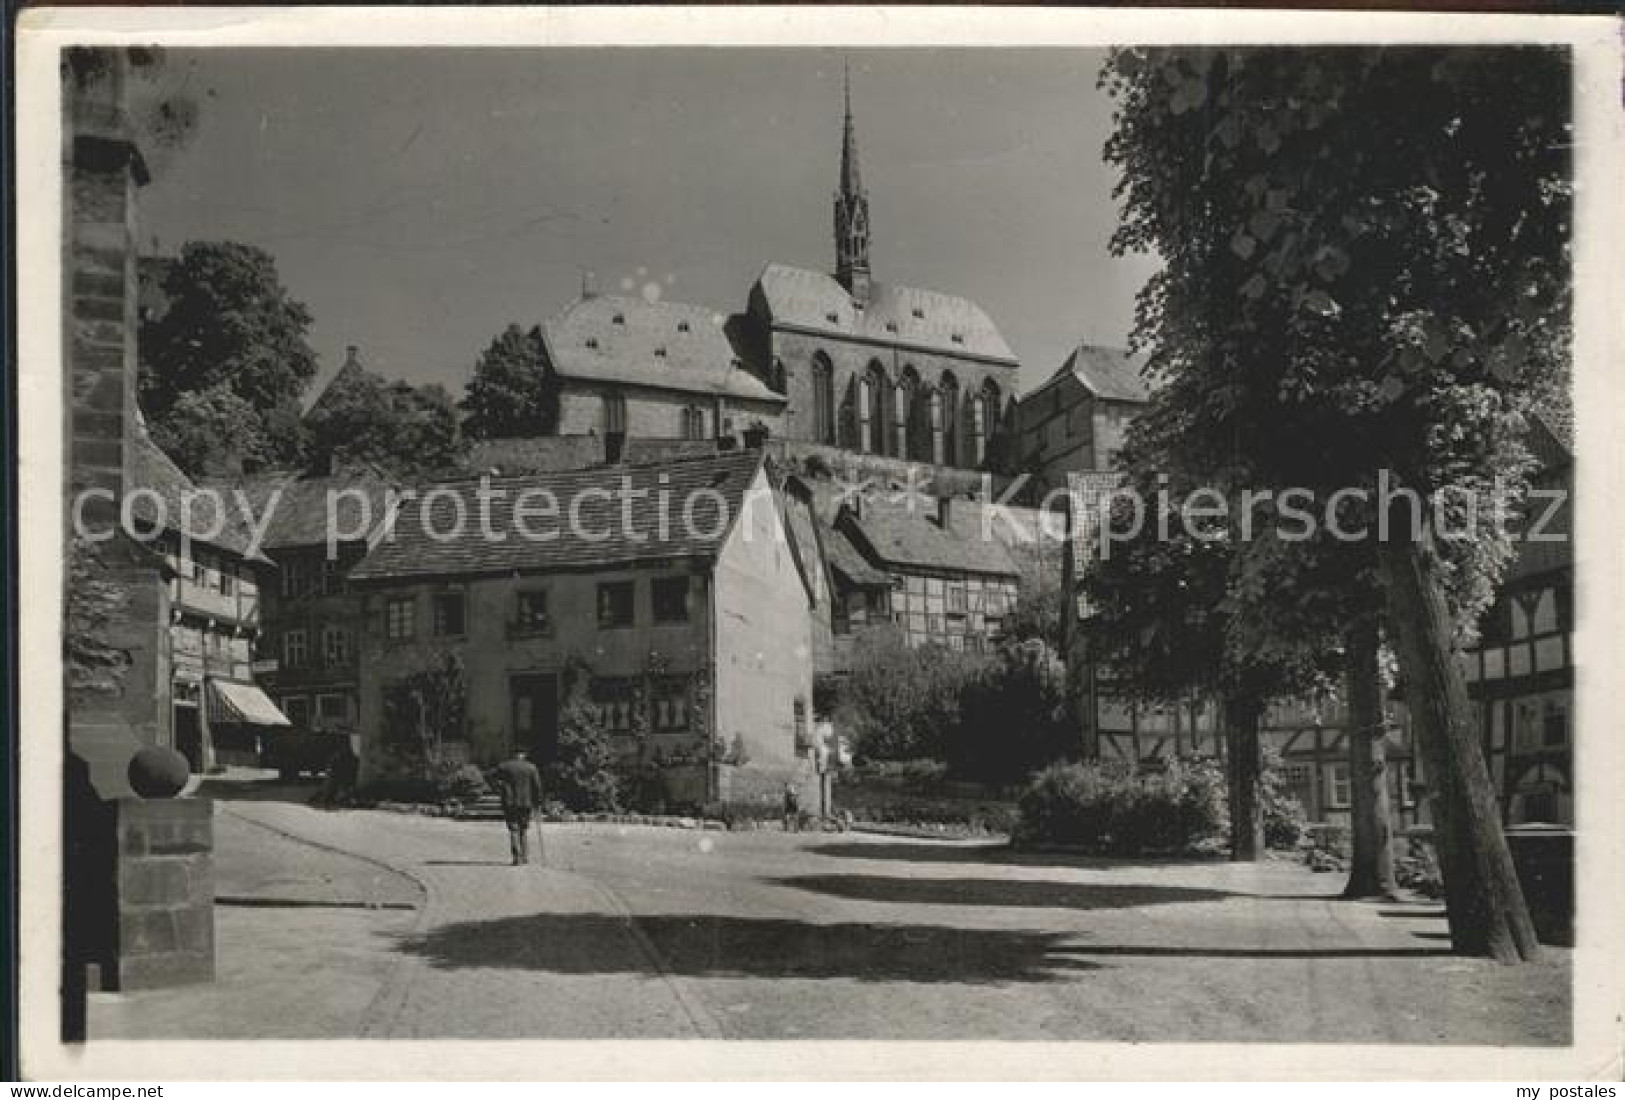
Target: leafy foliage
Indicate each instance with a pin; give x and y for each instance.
(510, 394)
(229, 341)
(392, 427)
(424, 709)
(582, 775)
(1366, 263)
(1112, 809)
(900, 702)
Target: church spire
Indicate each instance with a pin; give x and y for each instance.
(851, 212)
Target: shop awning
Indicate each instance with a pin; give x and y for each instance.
(230, 702)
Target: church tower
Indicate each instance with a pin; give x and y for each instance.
(851, 214)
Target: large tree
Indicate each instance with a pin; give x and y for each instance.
(1366, 281)
(392, 427)
(510, 393)
(223, 324)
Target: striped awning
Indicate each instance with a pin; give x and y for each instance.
(232, 702)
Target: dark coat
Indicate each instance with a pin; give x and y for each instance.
(518, 784)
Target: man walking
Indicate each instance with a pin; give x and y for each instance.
(519, 785)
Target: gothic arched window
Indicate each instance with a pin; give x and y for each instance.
(872, 410)
(906, 414)
(823, 387)
(949, 390)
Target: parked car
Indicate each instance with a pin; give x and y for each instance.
(296, 752)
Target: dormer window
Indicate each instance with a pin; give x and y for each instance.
(832, 318)
(660, 353)
(957, 338)
(682, 326)
(618, 319)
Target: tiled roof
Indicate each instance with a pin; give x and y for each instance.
(717, 486)
(902, 537)
(669, 345)
(894, 314)
(1109, 373)
(299, 517)
(849, 562)
(150, 468)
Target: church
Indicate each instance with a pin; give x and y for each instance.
(838, 359)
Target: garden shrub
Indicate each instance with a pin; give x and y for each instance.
(1113, 809)
(583, 775)
(1284, 816)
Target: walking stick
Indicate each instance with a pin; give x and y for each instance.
(541, 848)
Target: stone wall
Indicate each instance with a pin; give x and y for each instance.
(165, 888)
(657, 414)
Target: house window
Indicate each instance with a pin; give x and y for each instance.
(919, 314)
(295, 650)
(592, 342)
(615, 698)
(293, 579)
(333, 709)
(1337, 779)
(618, 319)
(956, 599)
(682, 326)
(669, 699)
(448, 614)
(400, 619)
(799, 718)
(200, 574)
(671, 599)
(532, 616)
(332, 579)
(228, 580)
(615, 605)
(335, 646)
(297, 709)
(1555, 727)
(693, 423)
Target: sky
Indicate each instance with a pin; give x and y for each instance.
(419, 200)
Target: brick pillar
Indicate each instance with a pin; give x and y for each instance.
(137, 875)
(119, 591)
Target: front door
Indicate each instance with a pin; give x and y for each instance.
(536, 714)
(189, 736)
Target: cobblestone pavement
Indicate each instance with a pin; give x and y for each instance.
(634, 932)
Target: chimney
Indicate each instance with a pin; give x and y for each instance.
(352, 356)
(589, 284)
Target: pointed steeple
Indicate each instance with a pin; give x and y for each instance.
(851, 212)
(851, 177)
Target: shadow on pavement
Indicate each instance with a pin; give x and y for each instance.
(993, 852)
(1001, 892)
(704, 945)
(1124, 950)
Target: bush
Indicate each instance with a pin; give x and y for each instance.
(1284, 816)
(583, 774)
(459, 782)
(1112, 809)
(899, 702)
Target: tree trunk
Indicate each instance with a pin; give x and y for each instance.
(1371, 866)
(1243, 714)
(1483, 899)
